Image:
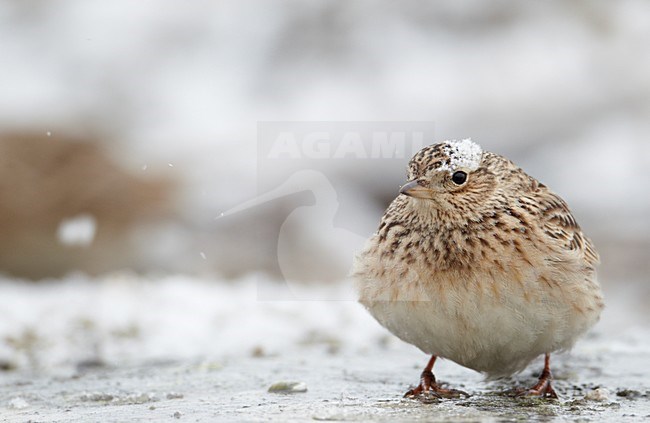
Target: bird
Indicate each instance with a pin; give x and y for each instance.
(479, 263)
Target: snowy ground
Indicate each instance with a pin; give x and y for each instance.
(125, 347)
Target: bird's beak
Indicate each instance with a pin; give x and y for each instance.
(413, 189)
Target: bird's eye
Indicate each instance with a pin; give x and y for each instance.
(459, 177)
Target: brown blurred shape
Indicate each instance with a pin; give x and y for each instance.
(47, 179)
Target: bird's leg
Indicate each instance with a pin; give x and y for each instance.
(543, 387)
(427, 379)
(428, 385)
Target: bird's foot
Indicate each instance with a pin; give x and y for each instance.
(542, 388)
(429, 386)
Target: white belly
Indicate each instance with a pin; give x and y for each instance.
(496, 327)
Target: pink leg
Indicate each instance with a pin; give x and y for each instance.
(543, 387)
(428, 384)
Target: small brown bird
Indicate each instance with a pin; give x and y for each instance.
(479, 263)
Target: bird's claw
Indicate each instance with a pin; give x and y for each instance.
(413, 393)
(436, 392)
(429, 386)
(543, 389)
(548, 392)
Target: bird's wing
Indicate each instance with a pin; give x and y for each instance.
(559, 224)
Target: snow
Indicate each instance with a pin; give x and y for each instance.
(18, 403)
(123, 318)
(464, 154)
(124, 346)
(77, 231)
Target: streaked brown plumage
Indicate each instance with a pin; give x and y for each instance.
(477, 262)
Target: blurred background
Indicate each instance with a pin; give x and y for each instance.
(128, 130)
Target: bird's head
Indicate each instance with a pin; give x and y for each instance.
(450, 176)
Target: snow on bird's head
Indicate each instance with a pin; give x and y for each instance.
(447, 156)
(463, 154)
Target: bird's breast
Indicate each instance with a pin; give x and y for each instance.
(493, 310)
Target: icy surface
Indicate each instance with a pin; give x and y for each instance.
(125, 346)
